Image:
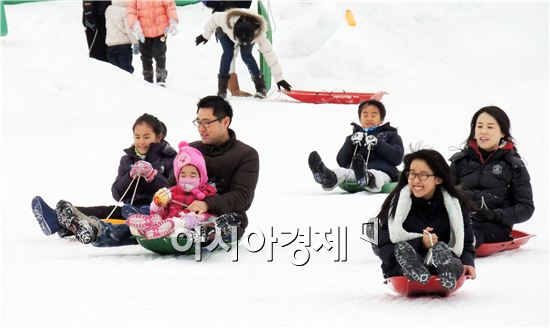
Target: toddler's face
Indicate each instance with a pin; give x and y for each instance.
(189, 171)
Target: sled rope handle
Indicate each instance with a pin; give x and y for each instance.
(349, 169)
(366, 162)
(179, 203)
(483, 204)
(135, 189)
(122, 197)
(431, 243)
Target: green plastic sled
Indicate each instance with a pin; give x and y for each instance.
(353, 187)
(164, 246)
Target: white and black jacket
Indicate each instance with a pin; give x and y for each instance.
(444, 213)
(226, 21)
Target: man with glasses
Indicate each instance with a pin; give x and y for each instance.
(232, 166)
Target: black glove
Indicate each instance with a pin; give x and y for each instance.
(284, 84)
(485, 215)
(200, 39)
(88, 19)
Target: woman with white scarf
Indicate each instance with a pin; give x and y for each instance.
(424, 224)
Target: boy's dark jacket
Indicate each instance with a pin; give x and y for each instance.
(385, 156)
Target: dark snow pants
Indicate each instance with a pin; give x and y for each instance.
(154, 48)
(489, 232)
(96, 40)
(111, 235)
(121, 56)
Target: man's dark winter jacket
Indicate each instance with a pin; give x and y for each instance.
(161, 156)
(385, 156)
(501, 182)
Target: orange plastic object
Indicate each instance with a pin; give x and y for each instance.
(349, 18)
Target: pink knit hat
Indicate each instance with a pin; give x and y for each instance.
(189, 155)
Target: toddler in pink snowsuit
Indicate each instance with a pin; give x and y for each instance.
(169, 206)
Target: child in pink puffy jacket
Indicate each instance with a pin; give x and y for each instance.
(169, 206)
(151, 20)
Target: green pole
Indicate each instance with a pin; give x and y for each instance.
(264, 68)
(185, 2)
(3, 20)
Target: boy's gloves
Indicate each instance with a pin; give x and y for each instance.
(370, 141)
(357, 138)
(143, 169)
(89, 19)
(135, 48)
(172, 28)
(283, 84)
(200, 39)
(138, 33)
(162, 197)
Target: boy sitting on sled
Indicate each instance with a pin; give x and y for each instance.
(368, 157)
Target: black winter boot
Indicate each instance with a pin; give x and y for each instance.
(223, 81)
(161, 76)
(321, 173)
(148, 76)
(362, 175)
(410, 263)
(259, 83)
(444, 265)
(227, 221)
(85, 228)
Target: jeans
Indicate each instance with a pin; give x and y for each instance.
(246, 54)
(111, 235)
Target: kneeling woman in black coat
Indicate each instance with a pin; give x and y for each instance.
(424, 224)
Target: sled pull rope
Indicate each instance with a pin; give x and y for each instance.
(122, 197)
(135, 189)
(483, 204)
(349, 169)
(431, 243)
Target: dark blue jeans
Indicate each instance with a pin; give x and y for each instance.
(121, 56)
(111, 235)
(227, 56)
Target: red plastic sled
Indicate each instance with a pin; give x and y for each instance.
(328, 97)
(406, 287)
(520, 239)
